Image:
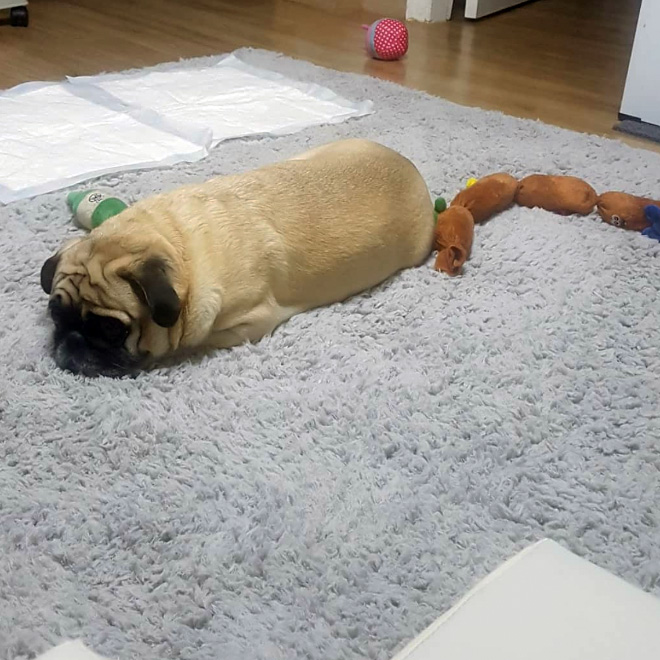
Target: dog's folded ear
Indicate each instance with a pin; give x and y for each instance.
(49, 268)
(48, 272)
(152, 285)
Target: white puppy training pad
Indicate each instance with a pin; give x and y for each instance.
(545, 603)
(231, 98)
(53, 135)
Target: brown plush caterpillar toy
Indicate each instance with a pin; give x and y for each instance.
(564, 195)
(454, 231)
(568, 195)
(625, 211)
(488, 196)
(453, 239)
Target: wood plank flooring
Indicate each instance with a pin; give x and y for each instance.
(561, 61)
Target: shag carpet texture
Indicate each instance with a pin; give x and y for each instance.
(329, 491)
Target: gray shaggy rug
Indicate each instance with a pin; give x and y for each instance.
(331, 490)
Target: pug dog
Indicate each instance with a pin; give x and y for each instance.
(215, 264)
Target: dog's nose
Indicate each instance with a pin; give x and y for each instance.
(70, 352)
(75, 341)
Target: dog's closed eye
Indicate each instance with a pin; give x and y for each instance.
(107, 330)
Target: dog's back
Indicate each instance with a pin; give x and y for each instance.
(335, 221)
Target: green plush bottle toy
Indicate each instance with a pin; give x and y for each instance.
(93, 207)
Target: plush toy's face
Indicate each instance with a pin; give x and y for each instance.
(624, 211)
(618, 221)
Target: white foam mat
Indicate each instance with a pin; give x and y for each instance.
(232, 98)
(53, 135)
(545, 603)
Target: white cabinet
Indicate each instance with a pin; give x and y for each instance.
(440, 10)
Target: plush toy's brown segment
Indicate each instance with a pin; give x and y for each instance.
(565, 195)
(453, 239)
(488, 196)
(623, 210)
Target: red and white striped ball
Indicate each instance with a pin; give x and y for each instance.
(387, 39)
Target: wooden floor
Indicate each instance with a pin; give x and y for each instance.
(561, 61)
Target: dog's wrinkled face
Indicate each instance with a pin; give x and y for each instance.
(112, 305)
(90, 344)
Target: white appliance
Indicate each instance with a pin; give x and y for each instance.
(641, 98)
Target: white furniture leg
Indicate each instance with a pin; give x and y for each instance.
(18, 12)
(481, 8)
(429, 10)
